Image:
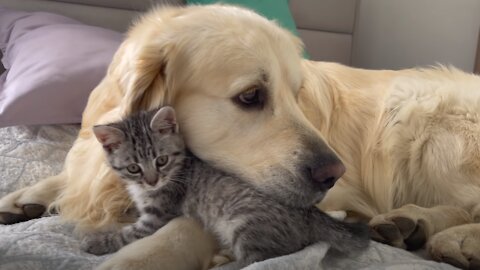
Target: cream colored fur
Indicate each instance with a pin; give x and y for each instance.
(168, 249)
(408, 137)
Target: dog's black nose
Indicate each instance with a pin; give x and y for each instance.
(325, 175)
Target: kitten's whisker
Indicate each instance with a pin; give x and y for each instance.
(179, 184)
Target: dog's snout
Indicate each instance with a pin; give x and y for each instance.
(325, 175)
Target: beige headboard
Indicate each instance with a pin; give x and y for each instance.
(326, 26)
(374, 34)
(477, 58)
(112, 14)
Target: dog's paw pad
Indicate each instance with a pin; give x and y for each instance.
(417, 238)
(399, 231)
(474, 264)
(413, 232)
(454, 262)
(23, 213)
(33, 210)
(385, 233)
(405, 225)
(11, 218)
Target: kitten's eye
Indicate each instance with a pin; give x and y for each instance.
(134, 169)
(161, 161)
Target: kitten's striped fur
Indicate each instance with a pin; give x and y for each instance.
(250, 224)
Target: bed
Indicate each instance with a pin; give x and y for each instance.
(31, 152)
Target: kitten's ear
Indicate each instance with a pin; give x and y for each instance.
(110, 137)
(164, 121)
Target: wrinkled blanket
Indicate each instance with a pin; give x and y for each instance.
(28, 154)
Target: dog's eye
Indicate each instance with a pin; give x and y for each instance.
(161, 161)
(134, 169)
(252, 98)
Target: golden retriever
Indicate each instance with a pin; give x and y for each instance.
(248, 103)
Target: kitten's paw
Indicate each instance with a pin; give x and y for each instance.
(97, 244)
(359, 240)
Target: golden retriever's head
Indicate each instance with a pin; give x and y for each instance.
(233, 78)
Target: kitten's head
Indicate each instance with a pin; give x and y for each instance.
(145, 149)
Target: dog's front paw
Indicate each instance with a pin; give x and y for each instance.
(400, 229)
(411, 226)
(19, 206)
(459, 246)
(97, 244)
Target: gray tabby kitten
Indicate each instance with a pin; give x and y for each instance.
(166, 181)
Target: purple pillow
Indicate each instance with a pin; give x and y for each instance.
(53, 63)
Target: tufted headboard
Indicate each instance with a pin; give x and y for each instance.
(374, 34)
(326, 26)
(112, 14)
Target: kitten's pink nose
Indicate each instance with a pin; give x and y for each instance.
(152, 181)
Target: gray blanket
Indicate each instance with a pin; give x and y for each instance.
(28, 154)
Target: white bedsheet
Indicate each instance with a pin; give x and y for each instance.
(28, 154)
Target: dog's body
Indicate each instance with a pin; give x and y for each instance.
(412, 136)
(410, 140)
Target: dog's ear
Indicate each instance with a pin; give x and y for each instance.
(298, 43)
(143, 78)
(146, 85)
(141, 65)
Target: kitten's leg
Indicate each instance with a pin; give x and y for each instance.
(290, 232)
(182, 244)
(30, 202)
(252, 243)
(148, 223)
(107, 242)
(342, 236)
